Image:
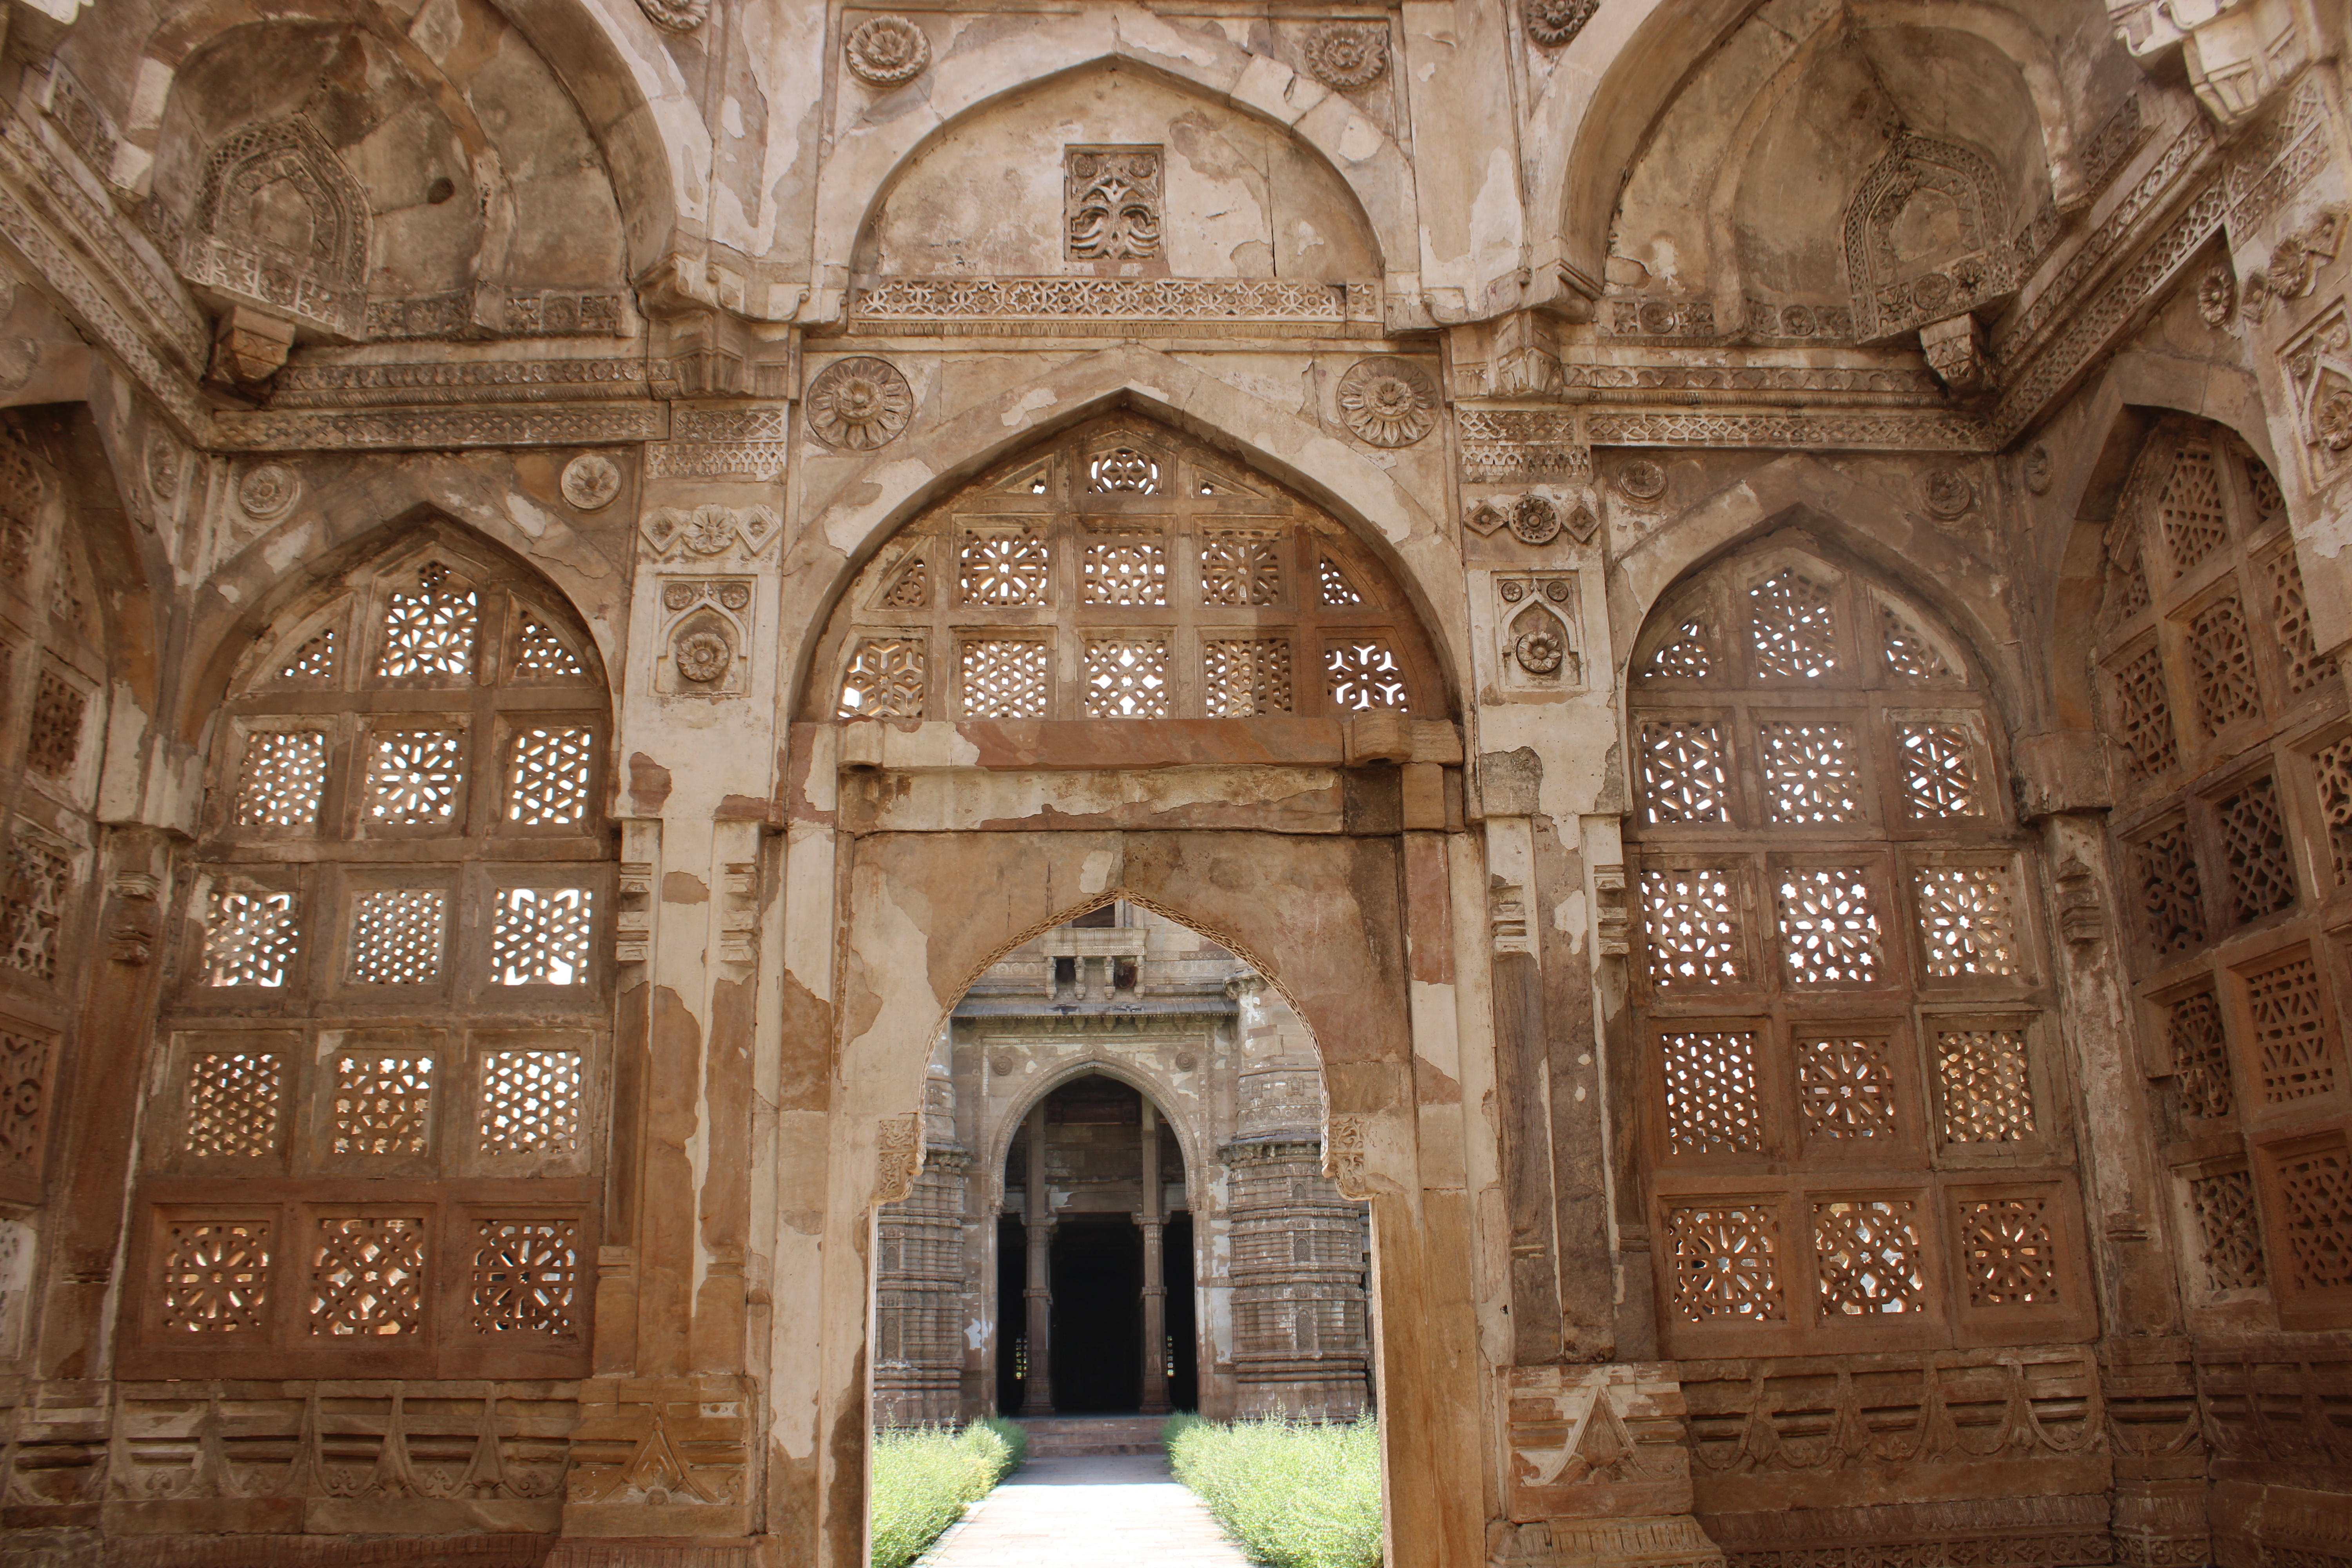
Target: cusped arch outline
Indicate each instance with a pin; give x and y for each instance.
(897, 484)
(867, 159)
(1145, 1083)
(634, 104)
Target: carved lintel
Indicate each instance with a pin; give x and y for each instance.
(897, 1156)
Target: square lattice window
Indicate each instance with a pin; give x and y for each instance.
(1126, 677)
(396, 936)
(2293, 1056)
(1940, 770)
(530, 1102)
(2333, 767)
(2228, 1234)
(414, 778)
(235, 1100)
(1791, 629)
(1724, 1260)
(1966, 926)
(249, 938)
(1003, 569)
(1847, 1087)
(53, 740)
(1683, 771)
(2314, 1188)
(2200, 1056)
(1122, 570)
(1246, 676)
(1692, 920)
(2007, 1255)
(1866, 1251)
(1711, 1092)
(2190, 510)
(1241, 567)
(1829, 926)
(1363, 674)
(2143, 713)
(1004, 678)
(2254, 850)
(547, 777)
(2173, 898)
(285, 773)
(32, 903)
(383, 1104)
(26, 1058)
(527, 1276)
(1813, 774)
(2291, 624)
(886, 679)
(541, 936)
(1984, 1081)
(2222, 661)
(429, 634)
(367, 1276)
(214, 1276)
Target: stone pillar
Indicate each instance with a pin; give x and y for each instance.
(1155, 1275)
(919, 1273)
(1301, 1338)
(1038, 1215)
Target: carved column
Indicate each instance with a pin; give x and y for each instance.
(918, 1275)
(1300, 1338)
(1155, 1279)
(1038, 1222)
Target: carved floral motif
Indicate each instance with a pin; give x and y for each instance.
(703, 657)
(1642, 480)
(1111, 203)
(591, 480)
(888, 50)
(1554, 24)
(1347, 55)
(676, 16)
(859, 403)
(2217, 296)
(1946, 493)
(1388, 402)
(268, 491)
(1534, 520)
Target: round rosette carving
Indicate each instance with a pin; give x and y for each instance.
(676, 16)
(591, 480)
(888, 50)
(2217, 296)
(1388, 402)
(2333, 423)
(859, 404)
(1554, 24)
(268, 491)
(1642, 480)
(1947, 493)
(1538, 651)
(1347, 55)
(702, 655)
(162, 467)
(2039, 470)
(1535, 521)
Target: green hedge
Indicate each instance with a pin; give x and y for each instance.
(925, 1477)
(1296, 1494)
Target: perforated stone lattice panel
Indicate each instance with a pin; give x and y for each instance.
(2008, 1257)
(234, 1102)
(2314, 1200)
(215, 1277)
(1968, 925)
(383, 1105)
(32, 905)
(366, 1276)
(547, 774)
(1725, 1262)
(539, 652)
(28, 1059)
(250, 939)
(1127, 677)
(314, 661)
(2333, 766)
(2200, 1056)
(2228, 1234)
(1866, 1252)
(1940, 770)
(1240, 567)
(1910, 657)
(1692, 920)
(53, 738)
(2290, 623)
(285, 773)
(1123, 572)
(1813, 774)
(1683, 771)
(429, 633)
(1845, 1086)
(541, 936)
(1985, 1085)
(2189, 511)
(1689, 655)
(1791, 627)
(531, 1102)
(1829, 926)
(526, 1277)
(1362, 674)
(2222, 662)
(1712, 1105)
(1336, 590)
(1004, 678)
(2254, 851)
(1246, 676)
(1002, 570)
(886, 679)
(2294, 1055)
(2143, 714)
(2172, 896)
(396, 936)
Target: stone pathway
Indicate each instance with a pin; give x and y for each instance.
(1115, 1509)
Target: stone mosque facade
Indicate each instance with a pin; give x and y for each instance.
(1618, 726)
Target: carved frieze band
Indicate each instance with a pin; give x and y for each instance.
(315, 386)
(396, 429)
(1012, 305)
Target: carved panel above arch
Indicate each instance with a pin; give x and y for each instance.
(279, 222)
(1926, 238)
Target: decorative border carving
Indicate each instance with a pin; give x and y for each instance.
(1014, 305)
(1504, 445)
(1901, 431)
(337, 385)
(394, 429)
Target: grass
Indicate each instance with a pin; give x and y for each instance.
(1296, 1494)
(925, 1477)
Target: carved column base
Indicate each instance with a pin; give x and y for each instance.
(1672, 1541)
(661, 1456)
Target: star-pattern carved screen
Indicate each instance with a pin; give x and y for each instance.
(2233, 751)
(1841, 990)
(1124, 572)
(396, 986)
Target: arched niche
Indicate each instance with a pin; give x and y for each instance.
(1121, 572)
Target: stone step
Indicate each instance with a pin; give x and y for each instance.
(1063, 1436)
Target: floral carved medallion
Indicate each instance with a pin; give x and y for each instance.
(859, 404)
(1388, 402)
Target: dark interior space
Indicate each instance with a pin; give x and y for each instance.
(1011, 1311)
(1183, 1331)
(1097, 1315)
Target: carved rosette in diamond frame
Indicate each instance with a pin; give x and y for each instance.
(2319, 367)
(1539, 646)
(706, 631)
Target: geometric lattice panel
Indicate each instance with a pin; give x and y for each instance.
(2315, 1193)
(53, 738)
(428, 634)
(1004, 678)
(314, 661)
(1867, 1250)
(884, 679)
(383, 1105)
(2253, 846)
(1984, 1085)
(1688, 655)
(414, 776)
(1126, 677)
(1241, 567)
(1846, 1085)
(539, 936)
(26, 1059)
(1711, 1092)
(249, 938)
(1683, 771)
(285, 770)
(530, 1102)
(1965, 927)
(1724, 1261)
(1790, 628)
(2221, 660)
(547, 781)
(216, 1276)
(397, 937)
(1692, 920)
(2007, 1253)
(1335, 590)
(1123, 572)
(1909, 655)
(367, 1276)
(235, 1100)
(2190, 510)
(1002, 569)
(2292, 1055)
(33, 904)
(1940, 770)
(2333, 766)
(1243, 676)
(2200, 1056)
(1829, 931)
(526, 1277)
(2228, 1234)
(539, 651)
(2291, 624)
(1813, 774)
(1362, 674)
(2171, 896)
(2143, 713)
